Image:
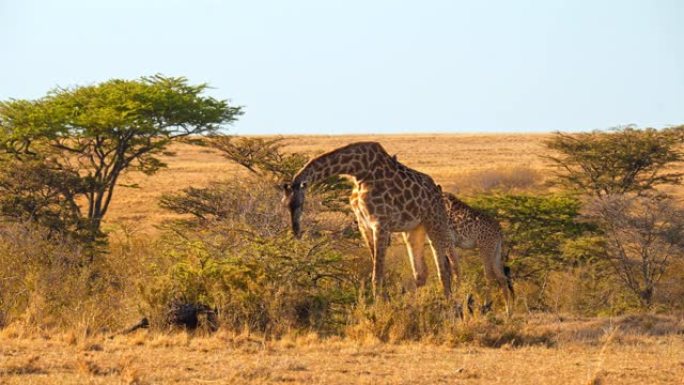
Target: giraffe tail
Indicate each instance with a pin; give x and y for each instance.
(506, 269)
(509, 281)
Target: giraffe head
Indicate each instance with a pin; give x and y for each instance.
(293, 197)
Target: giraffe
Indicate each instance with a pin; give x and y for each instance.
(387, 197)
(474, 229)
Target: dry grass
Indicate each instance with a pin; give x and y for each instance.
(225, 358)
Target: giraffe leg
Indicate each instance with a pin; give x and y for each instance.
(415, 246)
(494, 270)
(485, 306)
(440, 250)
(452, 259)
(366, 233)
(381, 240)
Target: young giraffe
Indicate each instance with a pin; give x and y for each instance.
(387, 197)
(476, 229)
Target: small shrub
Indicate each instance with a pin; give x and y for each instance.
(44, 282)
(240, 258)
(426, 316)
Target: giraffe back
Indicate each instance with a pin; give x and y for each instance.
(471, 227)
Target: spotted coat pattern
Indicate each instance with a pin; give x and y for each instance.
(390, 197)
(475, 229)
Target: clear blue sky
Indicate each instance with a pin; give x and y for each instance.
(370, 66)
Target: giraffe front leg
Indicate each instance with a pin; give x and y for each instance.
(415, 246)
(440, 250)
(381, 240)
(366, 233)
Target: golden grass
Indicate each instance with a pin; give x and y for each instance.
(616, 357)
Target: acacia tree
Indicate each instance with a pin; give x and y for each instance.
(620, 172)
(263, 157)
(30, 191)
(620, 161)
(643, 236)
(267, 158)
(98, 132)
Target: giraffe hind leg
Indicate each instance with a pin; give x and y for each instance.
(494, 270)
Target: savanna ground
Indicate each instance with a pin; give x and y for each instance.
(530, 349)
(626, 350)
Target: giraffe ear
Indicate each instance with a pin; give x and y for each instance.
(286, 186)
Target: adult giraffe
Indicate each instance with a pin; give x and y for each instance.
(388, 197)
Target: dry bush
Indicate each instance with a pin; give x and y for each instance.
(671, 291)
(644, 235)
(45, 283)
(236, 254)
(426, 316)
(409, 316)
(588, 290)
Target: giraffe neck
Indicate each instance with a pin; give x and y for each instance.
(357, 161)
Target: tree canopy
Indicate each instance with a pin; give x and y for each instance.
(97, 132)
(620, 161)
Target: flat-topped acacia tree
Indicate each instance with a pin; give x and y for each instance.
(620, 161)
(98, 132)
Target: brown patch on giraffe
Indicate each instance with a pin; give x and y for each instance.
(408, 194)
(344, 159)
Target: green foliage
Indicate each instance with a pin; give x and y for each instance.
(236, 253)
(543, 233)
(270, 285)
(95, 133)
(538, 229)
(617, 162)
